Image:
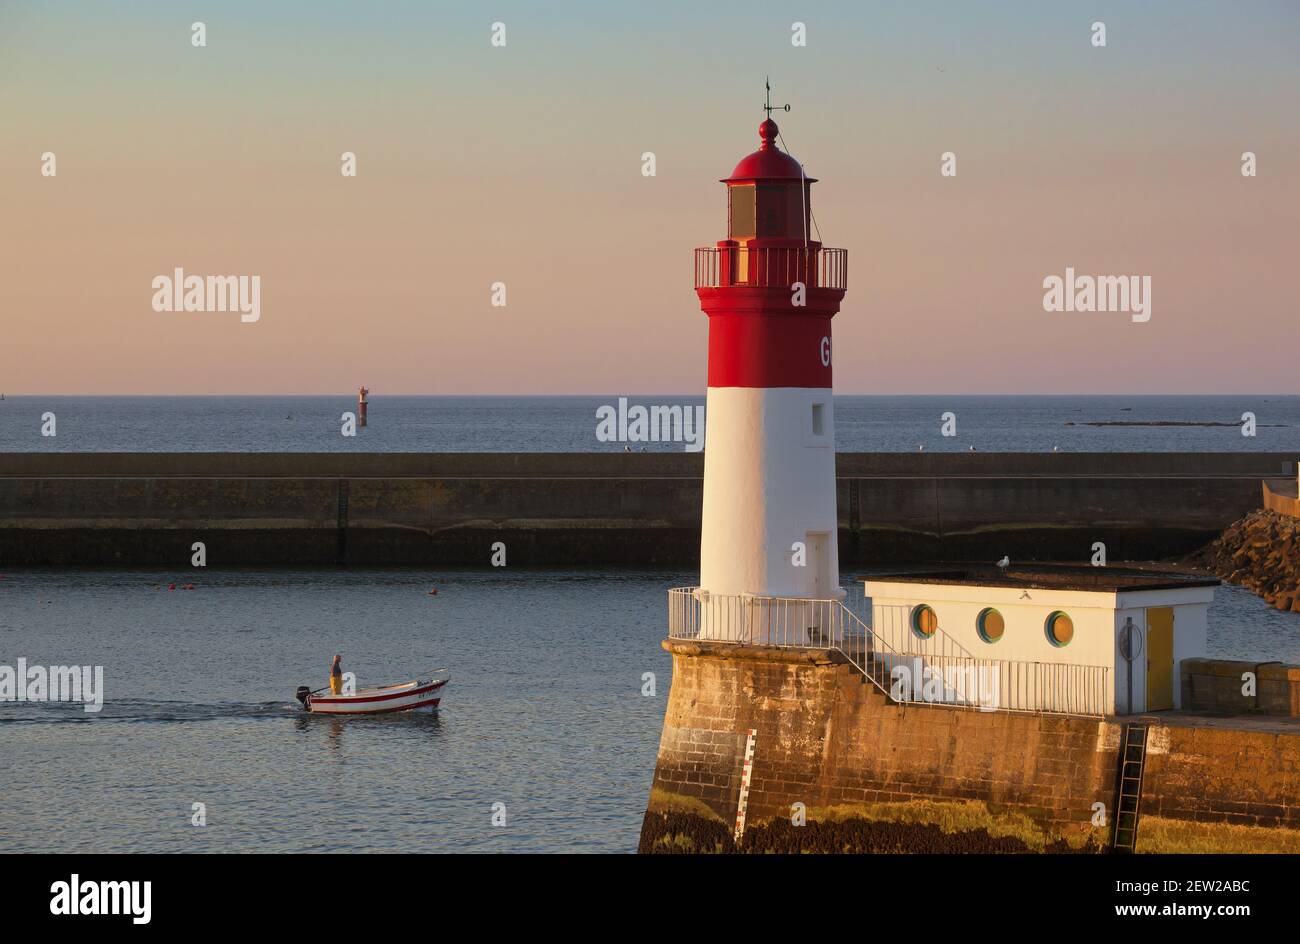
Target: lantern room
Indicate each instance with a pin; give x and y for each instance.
(768, 193)
(769, 216)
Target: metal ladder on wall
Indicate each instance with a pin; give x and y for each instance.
(1132, 765)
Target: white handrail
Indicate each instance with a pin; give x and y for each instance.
(910, 670)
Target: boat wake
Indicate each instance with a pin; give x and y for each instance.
(129, 710)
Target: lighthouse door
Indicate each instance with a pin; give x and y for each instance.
(819, 565)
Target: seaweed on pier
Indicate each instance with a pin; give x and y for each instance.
(857, 835)
(685, 833)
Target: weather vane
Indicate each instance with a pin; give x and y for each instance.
(767, 105)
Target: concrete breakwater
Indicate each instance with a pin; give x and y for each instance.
(616, 508)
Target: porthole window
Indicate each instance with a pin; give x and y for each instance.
(990, 625)
(1060, 629)
(924, 621)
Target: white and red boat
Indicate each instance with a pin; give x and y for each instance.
(422, 694)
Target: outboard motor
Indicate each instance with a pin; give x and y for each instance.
(302, 693)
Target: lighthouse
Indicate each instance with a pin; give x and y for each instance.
(769, 527)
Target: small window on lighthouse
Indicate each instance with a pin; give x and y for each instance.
(819, 419)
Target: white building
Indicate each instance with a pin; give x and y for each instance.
(1053, 637)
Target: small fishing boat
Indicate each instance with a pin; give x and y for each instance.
(422, 694)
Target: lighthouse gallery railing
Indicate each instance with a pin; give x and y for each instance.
(771, 267)
(923, 673)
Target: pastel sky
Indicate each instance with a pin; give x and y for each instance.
(522, 164)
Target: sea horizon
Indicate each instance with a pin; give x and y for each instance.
(570, 423)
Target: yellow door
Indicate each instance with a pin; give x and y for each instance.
(1160, 658)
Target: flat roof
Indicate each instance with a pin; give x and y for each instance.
(1049, 577)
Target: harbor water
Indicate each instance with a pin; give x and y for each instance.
(545, 741)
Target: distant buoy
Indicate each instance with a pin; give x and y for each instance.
(433, 592)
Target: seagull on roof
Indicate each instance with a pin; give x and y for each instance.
(1004, 563)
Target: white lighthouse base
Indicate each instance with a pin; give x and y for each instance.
(769, 528)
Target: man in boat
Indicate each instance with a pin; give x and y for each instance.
(336, 675)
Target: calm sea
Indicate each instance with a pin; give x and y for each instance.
(544, 714)
(568, 424)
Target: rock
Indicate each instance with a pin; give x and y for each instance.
(1258, 552)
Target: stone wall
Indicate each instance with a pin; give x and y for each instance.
(1235, 775)
(1216, 685)
(828, 737)
(830, 740)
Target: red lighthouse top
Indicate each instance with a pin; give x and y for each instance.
(769, 288)
(767, 163)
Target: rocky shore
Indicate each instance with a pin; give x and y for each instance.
(1258, 552)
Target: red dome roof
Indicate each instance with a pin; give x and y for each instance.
(767, 163)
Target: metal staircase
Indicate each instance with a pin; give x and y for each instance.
(866, 652)
(1132, 765)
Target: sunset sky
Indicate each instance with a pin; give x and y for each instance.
(522, 164)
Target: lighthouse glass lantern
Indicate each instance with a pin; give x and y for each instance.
(769, 561)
